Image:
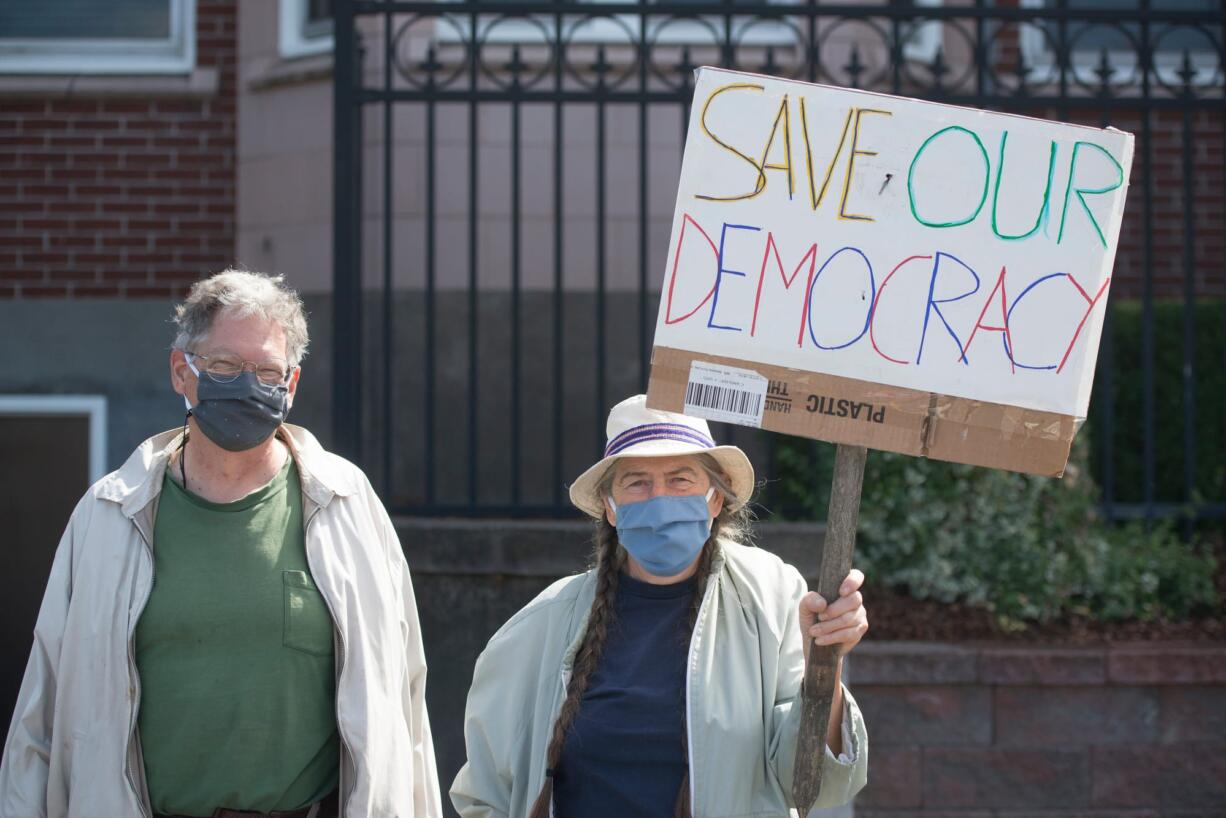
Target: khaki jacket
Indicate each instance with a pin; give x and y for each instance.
(73, 749)
(743, 675)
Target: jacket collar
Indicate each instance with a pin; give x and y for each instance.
(139, 480)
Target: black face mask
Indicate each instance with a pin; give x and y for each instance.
(241, 414)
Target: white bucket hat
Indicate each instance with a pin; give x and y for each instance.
(634, 430)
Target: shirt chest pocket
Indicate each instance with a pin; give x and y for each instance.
(307, 623)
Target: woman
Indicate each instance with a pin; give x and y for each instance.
(662, 681)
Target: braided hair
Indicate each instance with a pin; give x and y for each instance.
(609, 559)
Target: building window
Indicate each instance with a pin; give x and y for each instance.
(922, 42)
(625, 29)
(305, 27)
(97, 36)
(925, 39)
(1107, 52)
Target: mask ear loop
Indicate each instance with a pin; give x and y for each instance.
(183, 445)
(710, 520)
(183, 449)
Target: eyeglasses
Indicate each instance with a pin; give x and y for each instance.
(224, 368)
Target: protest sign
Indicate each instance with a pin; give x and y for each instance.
(888, 272)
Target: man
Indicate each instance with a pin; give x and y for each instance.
(229, 626)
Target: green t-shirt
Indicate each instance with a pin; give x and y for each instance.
(235, 657)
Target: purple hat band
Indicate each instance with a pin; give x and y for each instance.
(657, 431)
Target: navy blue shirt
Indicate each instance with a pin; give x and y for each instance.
(625, 756)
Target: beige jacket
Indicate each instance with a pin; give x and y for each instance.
(744, 671)
(73, 749)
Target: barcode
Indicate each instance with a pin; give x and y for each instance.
(723, 399)
(727, 394)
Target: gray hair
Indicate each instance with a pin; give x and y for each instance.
(735, 525)
(241, 294)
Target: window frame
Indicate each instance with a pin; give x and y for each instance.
(92, 407)
(928, 38)
(293, 41)
(80, 55)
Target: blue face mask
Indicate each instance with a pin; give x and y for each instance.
(666, 533)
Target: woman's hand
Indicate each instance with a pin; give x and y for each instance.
(842, 622)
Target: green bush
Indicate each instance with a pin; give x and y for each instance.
(1127, 392)
(1025, 547)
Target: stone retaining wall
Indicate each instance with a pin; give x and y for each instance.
(973, 731)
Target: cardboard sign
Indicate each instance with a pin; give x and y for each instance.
(888, 272)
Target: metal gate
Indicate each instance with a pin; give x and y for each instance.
(502, 178)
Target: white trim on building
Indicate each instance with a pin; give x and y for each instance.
(90, 406)
(294, 38)
(927, 38)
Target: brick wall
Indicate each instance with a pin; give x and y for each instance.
(1127, 730)
(117, 194)
(1174, 214)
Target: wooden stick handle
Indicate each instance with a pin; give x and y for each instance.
(818, 691)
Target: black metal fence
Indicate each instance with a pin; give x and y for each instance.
(488, 309)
